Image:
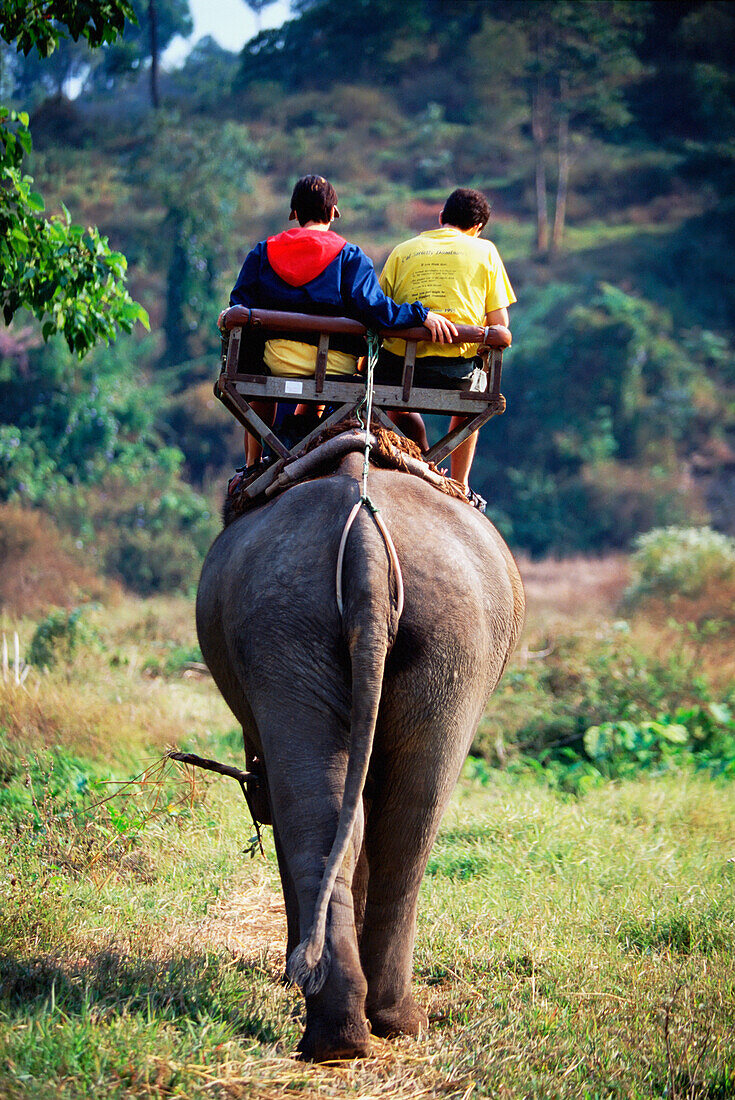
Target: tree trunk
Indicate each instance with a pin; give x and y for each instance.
(538, 128)
(153, 21)
(562, 184)
(176, 343)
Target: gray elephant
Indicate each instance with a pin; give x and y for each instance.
(362, 717)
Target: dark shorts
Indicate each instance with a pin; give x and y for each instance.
(432, 372)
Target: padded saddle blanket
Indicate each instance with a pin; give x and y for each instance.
(387, 450)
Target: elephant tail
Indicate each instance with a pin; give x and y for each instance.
(368, 623)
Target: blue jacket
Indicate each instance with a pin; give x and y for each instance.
(313, 271)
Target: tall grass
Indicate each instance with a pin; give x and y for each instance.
(568, 945)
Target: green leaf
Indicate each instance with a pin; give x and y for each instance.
(677, 735)
(721, 713)
(598, 741)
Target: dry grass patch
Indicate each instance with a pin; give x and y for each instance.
(124, 721)
(579, 588)
(37, 568)
(248, 922)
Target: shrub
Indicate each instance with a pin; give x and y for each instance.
(702, 735)
(546, 709)
(57, 638)
(144, 527)
(682, 561)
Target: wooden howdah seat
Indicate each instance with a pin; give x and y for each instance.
(242, 380)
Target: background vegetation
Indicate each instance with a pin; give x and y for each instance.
(602, 132)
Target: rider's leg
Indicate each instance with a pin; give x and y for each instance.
(462, 456)
(412, 426)
(266, 410)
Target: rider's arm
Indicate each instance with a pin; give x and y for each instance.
(244, 292)
(497, 317)
(361, 293)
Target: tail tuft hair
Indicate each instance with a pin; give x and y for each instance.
(309, 976)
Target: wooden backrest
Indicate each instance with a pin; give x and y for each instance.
(494, 338)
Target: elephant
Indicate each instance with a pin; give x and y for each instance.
(362, 717)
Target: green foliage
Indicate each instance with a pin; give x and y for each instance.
(45, 789)
(370, 39)
(69, 423)
(199, 174)
(680, 561)
(87, 451)
(636, 700)
(126, 57)
(33, 78)
(58, 637)
(604, 393)
(703, 735)
(42, 23)
(153, 539)
(207, 70)
(68, 278)
(180, 657)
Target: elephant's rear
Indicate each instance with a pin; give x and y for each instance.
(324, 696)
(464, 609)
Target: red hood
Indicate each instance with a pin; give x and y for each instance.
(299, 255)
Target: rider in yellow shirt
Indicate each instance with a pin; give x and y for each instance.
(458, 274)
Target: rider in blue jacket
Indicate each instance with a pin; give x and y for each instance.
(310, 269)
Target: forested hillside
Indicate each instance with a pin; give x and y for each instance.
(602, 132)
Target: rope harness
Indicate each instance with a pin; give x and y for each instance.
(373, 342)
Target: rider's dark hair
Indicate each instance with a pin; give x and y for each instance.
(313, 199)
(465, 208)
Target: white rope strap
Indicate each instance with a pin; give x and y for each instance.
(367, 404)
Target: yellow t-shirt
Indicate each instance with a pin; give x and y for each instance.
(286, 358)
(450, 273)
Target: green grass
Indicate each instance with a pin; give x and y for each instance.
(567, 946)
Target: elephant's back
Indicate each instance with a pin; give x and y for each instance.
(457, 572)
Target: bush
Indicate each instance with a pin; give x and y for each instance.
(546, 709)
(57, 638)
(683, 561)
(144, 527)
(704, 735)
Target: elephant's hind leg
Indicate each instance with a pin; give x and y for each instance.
(400, 832)
(306, 790)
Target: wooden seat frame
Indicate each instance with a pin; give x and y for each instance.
(238, 384)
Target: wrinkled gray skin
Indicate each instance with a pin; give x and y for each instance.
(310, 688)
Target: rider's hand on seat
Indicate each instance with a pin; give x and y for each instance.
(442, 331)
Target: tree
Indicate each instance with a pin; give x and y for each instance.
(369, 39)
(198, 173)
(157, 22)
(257, 7)
(43, 23)
(35, 78)
(580, 61)
(65, 276)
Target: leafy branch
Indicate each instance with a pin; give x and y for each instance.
(41, 23)
(69, 278)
